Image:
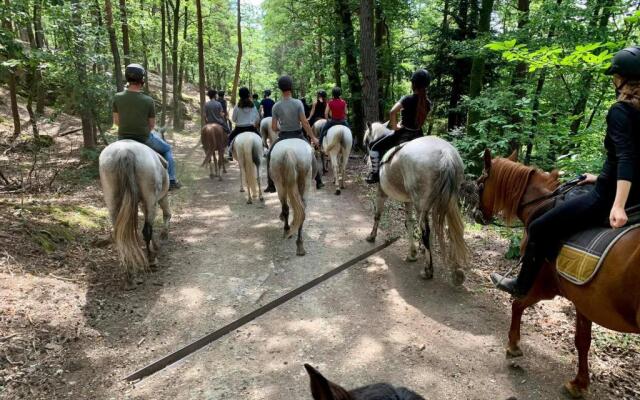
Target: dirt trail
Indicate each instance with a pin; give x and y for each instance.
(377, 321)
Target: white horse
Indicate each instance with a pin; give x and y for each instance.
(291, 169)
(337, 144)
(427, 173)
(247, 149)
(130, 173)
(267, 132)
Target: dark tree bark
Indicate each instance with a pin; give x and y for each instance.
(125, 32)
(521, 70)
(337, 58)
(174, 62)
(477, 67)
(368, 62)
(117, 69)
(163, 50)
(383, 54)
(344, 12)
(201, 73)
(85, 114)
(236, 76)
(40, 43)
(12, 85)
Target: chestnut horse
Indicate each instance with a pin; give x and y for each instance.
(214, 140)
(324, 389)
(611, 299)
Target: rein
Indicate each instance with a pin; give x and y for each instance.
(560, 190)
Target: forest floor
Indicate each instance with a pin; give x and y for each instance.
(68, 330)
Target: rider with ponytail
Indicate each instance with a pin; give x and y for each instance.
(414, 110)
(616, 188)
(245, 116)
(335, 113)
(318, 108)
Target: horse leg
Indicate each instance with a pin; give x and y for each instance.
(517, 309)
(426, 241)
(147, 230)
(379, 208)
(300, 244)
(221, 160)
(410, 226)
(336, 170)
(284, 214)
(241, 178)
(578, 387)
(343, 167)
(260, 197)
(166, 217)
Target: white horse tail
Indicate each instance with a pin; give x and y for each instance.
(290, 185)
(337, 140)
(125, 230)
(247, 158)
(446, 216)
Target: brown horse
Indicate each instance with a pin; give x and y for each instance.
(214, 139)
(611, 299)
(324, 389)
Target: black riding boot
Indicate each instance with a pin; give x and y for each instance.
(271, 187)
(374, 176)
(520, 286)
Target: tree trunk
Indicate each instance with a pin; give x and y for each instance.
(85, 116)
(477, 67)
(383, 55)
(521, 71)
(201, 73)
(11, 72)
(355, 87)
(125, 32)
(174, 61)
(163, 50)
(337, 62)
(39, 36)
(236, 76)
(117, 69)
(368, 62)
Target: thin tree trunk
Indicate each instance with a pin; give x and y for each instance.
(39, 36)
(368, 62)
(174, 61)
(521, 71)
(477, 67)
(163, 50)
(344, 12)
(85, 116)
(236, 76)
(201, 73)
(337, 62)
(117, 69)
(125, 32)
(181, 69)
(383, 53)
(11, 72)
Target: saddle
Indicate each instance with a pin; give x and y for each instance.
(583, 253)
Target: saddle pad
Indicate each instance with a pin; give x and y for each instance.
(582, 254)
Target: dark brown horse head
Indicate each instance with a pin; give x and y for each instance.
(505, 184)
(324, 389)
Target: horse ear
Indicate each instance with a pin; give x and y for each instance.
(322, 388)
(514, 156)
(369, 126)
(487, 159)
(555, 174)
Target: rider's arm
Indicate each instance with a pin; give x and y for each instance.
(393, 115)
(307, 128)
(116, 118)
(326, 112)
(152, 123)
(234, 114)
(313, 110)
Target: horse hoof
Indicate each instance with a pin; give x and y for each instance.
(164, 235)
(282, 218)
(241, 190)
(458, 277)
(300, 251)
(574, 391)
(220, 178)
(224, 171)
(211, 176)
(514, 353)
(426, 275)
(129, 285)
(371, 239)
(261, 199)
(337, 192)
(249, 201)
(411, 258)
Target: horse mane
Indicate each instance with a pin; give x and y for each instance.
(511, 180)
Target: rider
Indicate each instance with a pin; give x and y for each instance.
(266, 105)
(318, 108)
(225, 110)
(617, 186)
(256, 102)
(213, 111)
(414, 110)
(338, 110)
(289, 114)
(134, 113)
(245, 116)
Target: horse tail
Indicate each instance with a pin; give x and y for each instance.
(125, 230)
(446, 216)
(246, 158)
(337, 140)
(292, 190)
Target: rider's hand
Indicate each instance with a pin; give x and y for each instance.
(589, 178)
(315, 141)
(618, 217)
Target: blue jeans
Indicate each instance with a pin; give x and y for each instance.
(164, 149)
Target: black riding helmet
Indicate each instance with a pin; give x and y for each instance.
(421, 79)
(336, 92)
(626, 63)
(244, 93)
(285, 83)
(134, 73)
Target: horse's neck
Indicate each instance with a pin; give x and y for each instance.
(536, 189)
